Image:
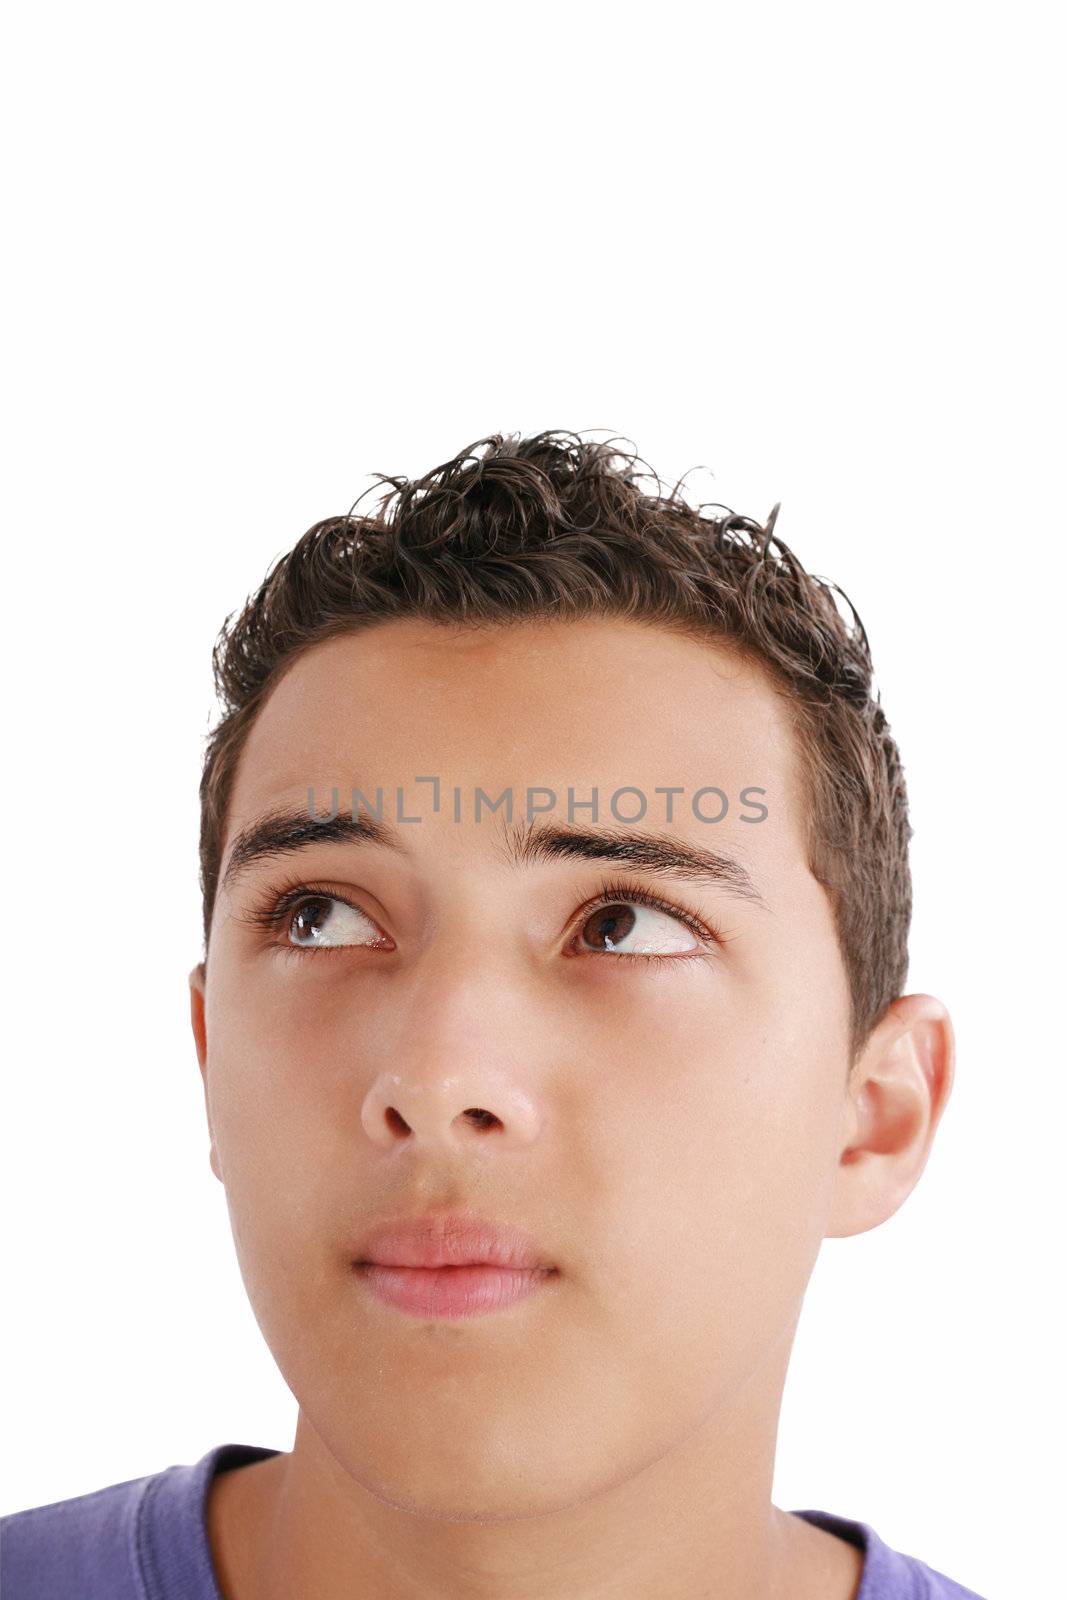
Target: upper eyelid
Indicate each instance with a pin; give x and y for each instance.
(618, 893)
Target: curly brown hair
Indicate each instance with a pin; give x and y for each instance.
(555, 526)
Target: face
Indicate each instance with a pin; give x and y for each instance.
(660, 1107)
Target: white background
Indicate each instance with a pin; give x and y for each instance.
(257, 254)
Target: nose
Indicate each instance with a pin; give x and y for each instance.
(449, 1109)
(461, 1068)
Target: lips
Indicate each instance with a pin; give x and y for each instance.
(452, 1291)
(439, 1240)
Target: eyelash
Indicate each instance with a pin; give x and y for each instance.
(270, 914)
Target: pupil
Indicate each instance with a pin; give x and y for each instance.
(612, 922)
(306, 918)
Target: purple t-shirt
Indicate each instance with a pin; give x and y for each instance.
(146, 1539)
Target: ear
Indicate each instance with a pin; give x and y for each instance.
(899, 1087)
(197, 1002)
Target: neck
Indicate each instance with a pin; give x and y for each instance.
(692, 1520)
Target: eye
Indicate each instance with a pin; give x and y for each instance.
(637, 924)
(624, 921)
(324, 920)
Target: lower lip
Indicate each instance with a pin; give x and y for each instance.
(452, 1291)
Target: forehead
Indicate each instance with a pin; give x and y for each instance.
(601, 703)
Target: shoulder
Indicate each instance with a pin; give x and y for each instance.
(83, 1546)
(889, 1574)
(141, 1539)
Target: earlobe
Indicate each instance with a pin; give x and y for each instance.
(898, 1090)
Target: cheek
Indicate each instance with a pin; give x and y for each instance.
(271, 1030)
(269, 1118)
(718, 1162)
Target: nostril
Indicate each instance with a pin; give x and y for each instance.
(482, 1118)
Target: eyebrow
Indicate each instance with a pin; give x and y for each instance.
(287, 832)
(662, 854)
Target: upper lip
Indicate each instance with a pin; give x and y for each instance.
(453, 1240)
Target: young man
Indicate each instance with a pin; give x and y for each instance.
(554, 853)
